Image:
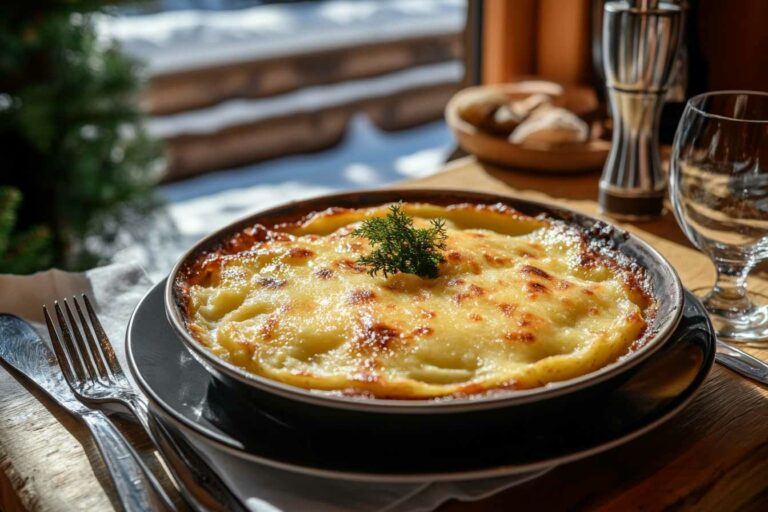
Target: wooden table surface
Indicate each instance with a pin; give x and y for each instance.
(712, 456)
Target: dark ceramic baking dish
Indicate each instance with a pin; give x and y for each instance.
(265, 393)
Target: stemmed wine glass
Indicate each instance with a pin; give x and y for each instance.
(719, 191)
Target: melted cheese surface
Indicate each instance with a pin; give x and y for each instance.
(517, 305)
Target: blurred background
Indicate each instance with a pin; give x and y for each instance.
(130, 129)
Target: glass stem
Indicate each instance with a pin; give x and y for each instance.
(730, 291)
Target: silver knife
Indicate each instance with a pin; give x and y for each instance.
(24, 350)
(741, 362)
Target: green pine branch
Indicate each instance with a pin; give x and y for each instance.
(72, 132)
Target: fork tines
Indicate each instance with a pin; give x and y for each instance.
(81, 358)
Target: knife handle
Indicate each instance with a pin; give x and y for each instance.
(741, 362)
(132, 487)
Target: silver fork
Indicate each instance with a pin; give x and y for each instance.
(128, 471)
(102, 381)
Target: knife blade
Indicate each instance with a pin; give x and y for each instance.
(24, 350)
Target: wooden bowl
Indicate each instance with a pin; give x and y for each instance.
(561, 158)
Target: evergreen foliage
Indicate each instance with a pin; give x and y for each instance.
(71, 135)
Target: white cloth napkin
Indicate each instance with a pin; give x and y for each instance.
(115, 290)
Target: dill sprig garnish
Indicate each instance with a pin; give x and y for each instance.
(399, 247)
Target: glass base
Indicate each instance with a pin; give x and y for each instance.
(748, 326)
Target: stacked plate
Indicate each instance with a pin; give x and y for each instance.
(361, 438)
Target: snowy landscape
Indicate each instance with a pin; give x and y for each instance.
(189, 38)
(367, 156)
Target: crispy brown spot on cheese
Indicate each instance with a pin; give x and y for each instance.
(422, 330)
(475, 317)
(323, 273)
(375, 335)
(348, 264)
(521, 337)
(248, 237)
(453, 256)
(272, 283)
(361, 296)
(535, 271)
(267, 329)
(299, 253)
(535, 288)
(507, 309)
(206, 275)
(495, 259)
(425, 313)
(473, 291)
(528, 320)
(589, 259)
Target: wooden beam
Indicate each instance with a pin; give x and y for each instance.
(563, 52)
(509, 40)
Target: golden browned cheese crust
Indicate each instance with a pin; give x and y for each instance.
(520, 302)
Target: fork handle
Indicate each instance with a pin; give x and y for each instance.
(198, 483)
(121, 460)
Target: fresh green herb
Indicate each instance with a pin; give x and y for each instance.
(399, 247)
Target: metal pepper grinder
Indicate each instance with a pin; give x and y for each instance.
(640, 44)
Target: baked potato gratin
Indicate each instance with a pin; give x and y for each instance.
(519, 302)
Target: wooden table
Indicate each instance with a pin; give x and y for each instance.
(711, 456)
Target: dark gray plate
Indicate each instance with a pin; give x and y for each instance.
(189, 397)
